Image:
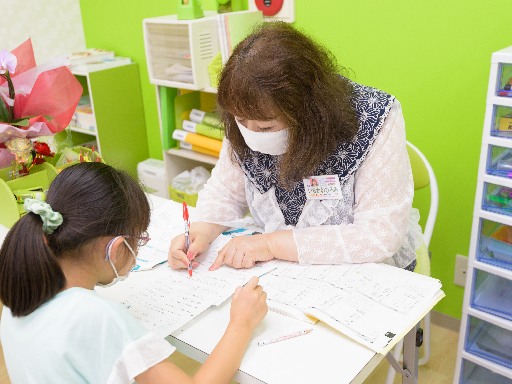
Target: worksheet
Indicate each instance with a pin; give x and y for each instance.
(164, 299)
(351, 297)
(165, 224)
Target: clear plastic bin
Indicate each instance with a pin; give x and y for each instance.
(502, 122)
(492, 294)
(497, 199)
(475, 374)
(495, 244)
(504, 83)
(489, 341)
(499, 161)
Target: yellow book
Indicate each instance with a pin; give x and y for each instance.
(192, 147)
(196, 139)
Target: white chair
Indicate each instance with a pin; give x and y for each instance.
(423, 175)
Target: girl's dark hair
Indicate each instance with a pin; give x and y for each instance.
(279, 73)
(94, 200)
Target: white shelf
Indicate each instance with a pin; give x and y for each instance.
(83, 130)
(500, 369)
(502, 272)
(500, 322)
(500, 100)
(498, 141)
(485, 292)
(201, 157)
(177, 84)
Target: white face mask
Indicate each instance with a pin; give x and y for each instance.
(107, 251)
(271, 143)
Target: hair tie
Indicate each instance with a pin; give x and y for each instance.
(51, 219)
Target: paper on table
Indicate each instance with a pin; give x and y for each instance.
(166, 223)
(350, 298)
(164, 299)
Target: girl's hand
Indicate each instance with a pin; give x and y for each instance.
(177, 257)
(249, 305)
(200, 236)
(244, 251)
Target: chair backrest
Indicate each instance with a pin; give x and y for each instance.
(423, 175)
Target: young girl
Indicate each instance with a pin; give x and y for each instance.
(56, 329)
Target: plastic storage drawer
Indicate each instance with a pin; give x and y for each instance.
(492, 294)
(495, 244)
(476, 374)
(489, 341)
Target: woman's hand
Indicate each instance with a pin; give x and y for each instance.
(249, 305)
(245, 251)
(200, 236)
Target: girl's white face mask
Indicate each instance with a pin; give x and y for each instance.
(108, 250)
(271, 143)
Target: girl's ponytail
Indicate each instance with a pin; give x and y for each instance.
(29, 272)
(85, 202)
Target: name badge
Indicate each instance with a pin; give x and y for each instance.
(322, 187)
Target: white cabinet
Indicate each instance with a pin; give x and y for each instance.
(178, 54)
(485, 341)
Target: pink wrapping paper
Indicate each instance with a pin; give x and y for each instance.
(46, 90)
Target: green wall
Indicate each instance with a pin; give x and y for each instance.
(434, 56)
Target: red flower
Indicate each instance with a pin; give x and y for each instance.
(43, 149)
(38, 160)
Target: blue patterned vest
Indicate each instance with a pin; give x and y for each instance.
(372, 107)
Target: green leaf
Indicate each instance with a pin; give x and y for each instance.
(21, 122)
(4, 113)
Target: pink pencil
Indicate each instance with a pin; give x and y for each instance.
(284, 337)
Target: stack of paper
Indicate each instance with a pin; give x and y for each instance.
(87, 56)
(83, 116)
(370, 303)
(102, 63)
(164, 299)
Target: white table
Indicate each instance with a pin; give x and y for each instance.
(322, 356)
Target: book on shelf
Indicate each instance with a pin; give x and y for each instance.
(196, 139)
(202, 129)
(195, 148)
(83, 116)
(206, 118)
(88, 55)
(102, 63)
(373, 304)
(233, 27)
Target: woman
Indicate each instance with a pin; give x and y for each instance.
(289, 117)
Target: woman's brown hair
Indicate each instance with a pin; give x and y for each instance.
(279, 73)
(95, 200)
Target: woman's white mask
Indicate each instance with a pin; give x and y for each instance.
(108, 250)
(271, 143)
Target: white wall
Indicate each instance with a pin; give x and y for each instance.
(55, 26)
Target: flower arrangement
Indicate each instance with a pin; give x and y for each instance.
(35, 102)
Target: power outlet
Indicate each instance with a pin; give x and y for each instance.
(461, 270)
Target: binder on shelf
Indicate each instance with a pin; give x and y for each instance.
(199, 140)
(195, 148)
(207, 118)
(202, 129)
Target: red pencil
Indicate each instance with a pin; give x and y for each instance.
(187, 227)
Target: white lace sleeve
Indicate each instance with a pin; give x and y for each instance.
(223, 198)
(383, 193)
